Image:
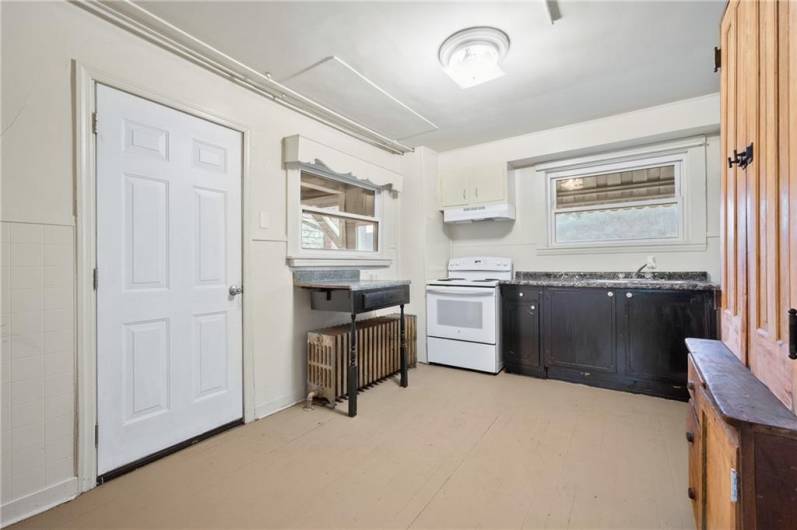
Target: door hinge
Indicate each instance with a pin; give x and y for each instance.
(734, 486)
(96, 435)
(717, 59)
(94, 280)
(94, 123)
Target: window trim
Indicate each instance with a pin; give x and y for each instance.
(650, 156)
(298, 256)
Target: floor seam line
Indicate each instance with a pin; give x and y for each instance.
(465, 457)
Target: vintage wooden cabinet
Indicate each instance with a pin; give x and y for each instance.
(742, 446)
(759, 188)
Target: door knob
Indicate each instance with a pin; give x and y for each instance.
(235, 290)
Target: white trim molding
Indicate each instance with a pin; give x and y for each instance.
(39, 501)
(688, 156)
(304, 154)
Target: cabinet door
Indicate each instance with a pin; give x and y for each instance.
(580, 329)
(486, 185)
(733, 185)
(768, 215)
(520, 320)
(788, 174)
(721, 449)
(655, 324)
(694, 439)
(454, 189)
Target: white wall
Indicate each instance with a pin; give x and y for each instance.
(39, 42)
(523, 239)
(424, 243)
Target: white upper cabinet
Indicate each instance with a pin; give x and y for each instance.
(467, 184)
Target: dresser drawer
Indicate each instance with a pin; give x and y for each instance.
(694, 383)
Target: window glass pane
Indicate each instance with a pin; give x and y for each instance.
(644, 222)
(334, 196)
(330, 232)
(622, 186)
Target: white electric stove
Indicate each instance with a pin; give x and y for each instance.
(463, 314)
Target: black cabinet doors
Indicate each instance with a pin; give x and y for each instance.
(654, 326)
(520, 334)
(580, 330)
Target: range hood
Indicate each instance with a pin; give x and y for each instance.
(502, 211)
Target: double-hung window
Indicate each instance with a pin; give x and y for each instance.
(338, 216)
(634, 201)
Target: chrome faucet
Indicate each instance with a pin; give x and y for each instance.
(640, 269)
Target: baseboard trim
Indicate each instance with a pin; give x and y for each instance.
(39, 501)
(276, 405)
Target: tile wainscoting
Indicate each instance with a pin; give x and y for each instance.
(38, 367)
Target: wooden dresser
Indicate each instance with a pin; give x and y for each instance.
(742, 445)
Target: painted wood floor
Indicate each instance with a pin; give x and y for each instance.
(454, 450)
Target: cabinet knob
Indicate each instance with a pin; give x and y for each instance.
(690, 437)
(691, 493)
(610, 294)
(690, 385)
(628, 295)
(520, 294)
(533, 307)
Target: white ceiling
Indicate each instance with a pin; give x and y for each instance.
(600, 58)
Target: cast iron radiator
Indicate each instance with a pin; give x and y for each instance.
(377, 355)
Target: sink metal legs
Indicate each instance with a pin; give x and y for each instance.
(353, 380)
(403, 349)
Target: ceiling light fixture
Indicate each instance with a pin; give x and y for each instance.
(473, 56)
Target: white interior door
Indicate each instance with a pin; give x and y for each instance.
(169, 357)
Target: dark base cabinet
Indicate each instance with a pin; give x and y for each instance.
(520, 333)
(623, 339)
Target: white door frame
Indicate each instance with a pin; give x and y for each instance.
(85, 81)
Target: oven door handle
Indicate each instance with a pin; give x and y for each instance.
(462, 291)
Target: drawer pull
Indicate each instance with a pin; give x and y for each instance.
(792, 333)
(690, 437)
(691, 493)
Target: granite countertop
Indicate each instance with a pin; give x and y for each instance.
(347, 280)
(350, 285)
(688, 281)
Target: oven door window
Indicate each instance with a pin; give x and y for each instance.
(460, 314)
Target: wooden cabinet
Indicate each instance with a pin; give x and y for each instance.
(520, 322)
(758, 239)
(742, 446)
(694, 437)
(624, 339)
